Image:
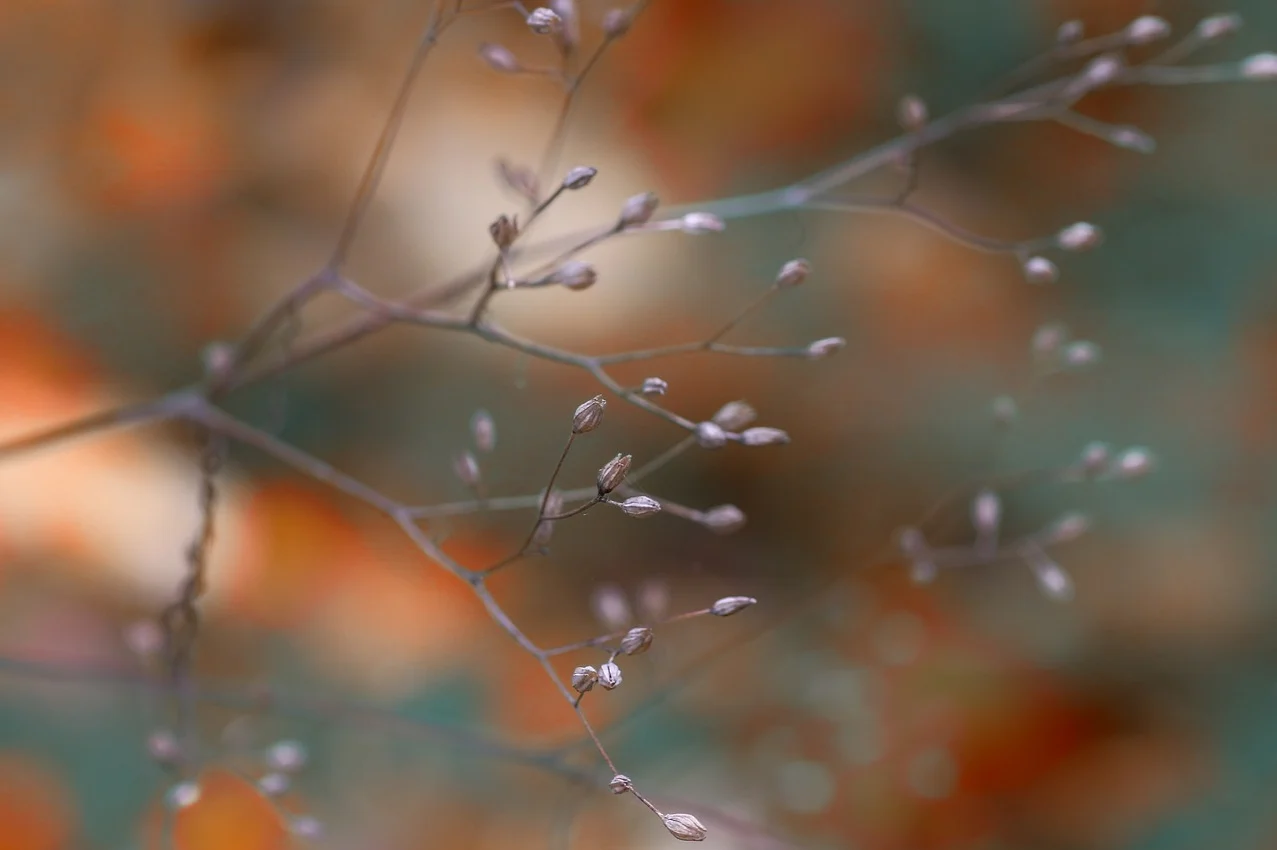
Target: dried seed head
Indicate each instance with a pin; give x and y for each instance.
(611, 607)
(1066, 528)
(1218, 26)
(636, 640)
(483, 430)
(684, 827)
(544, 21)
(724, 519)
(466, 467)
(639, 209)
(163, 747)
(697, 223)
(729, 605)
(640, 506)
(735, 415)
(793, 273)
(620, 784)
(1047, 341)
(1081, 354)
(504, 231)
(183, 795)
(1147, 29)
(612, 473)
(1005, 411)
(911, 112)
(518, 178)
(764, 437)
(1261, 66)
(710, 435)
(286, 756)
(274, 784)
(583, 679)
(617, 22)
(579, 177)
(654, 386)
(1081, 236)
(1134, 462)
(1051, 576)
(986, 512)
(1040, 270)
(499, 58)
(1095, 458)
(825, 347)
(575, 275)
(588, 415)
(1069, 32)
(609, 676)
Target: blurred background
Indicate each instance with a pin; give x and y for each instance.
(168, 170)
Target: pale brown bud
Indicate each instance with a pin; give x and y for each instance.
(617, 22)
(724, 519)
(1147, 29)
(588, 415)
(575, 275)
(579, 177)
(543, 21)
(1040, 270)
(504, 231)
(1081, 236)
(654, 386)
(685, 827)
(610, 676)
(710, 435)
(499, 58)
(639, 209)
(183, 795)
(697, 223)
(483, 430)
(636, 640)
(620, 784)
(568, 35)
(793, 273)
(1134, 462)
(640, 506)
(583, 679)
(729, 605)
(764, 437)
(1218, 26)
(466, 467)
(735, 415)
(825, 347)
(613, 473)
(1261, 66)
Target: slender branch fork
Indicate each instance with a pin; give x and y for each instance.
(1108, 65)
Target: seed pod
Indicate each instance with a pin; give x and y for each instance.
(1047, 340)
(499, 58)
(724, 519)
(588, 415)
(613, 473)
(617, 22)
(764, 437)
(1095, 458)
(286, 756)
(1134, 462)
(735, 415)
(1040, 270)
(620, 784)
(1147, 29)
(912, 113)
(583, 679)
(274, 784)
(504, 231)
(483, 430)
(1066, 528)
(986, 512)
(697, 223)
(684, 827)
(579, 177)
(466, 467)
(825, 347)
(639, 209)
(654, 386)
(1080, 354)
(183, 795)
(710, 435)
(640, 506)
(1081, 236)
(793, 273)
(1069, 32)
(610, 676)
(729, 605)
(1051, 576)
(636, 640)
(575, 275)
(543, 21)
(1261, 66)
(1218, 26)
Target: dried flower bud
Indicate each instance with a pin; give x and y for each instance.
(1131, 139)
(1066, 528)
(654, 386)
(1081, 354)
(636, 640)
(466, 467)
(729, 605)
(1261, 66)
(579, 177)
(575, 275)
(735, 415)
(1218, 26)
(684, 827)
(986, 512)
(1081, 236)
(612, 473)
(1134, 462)
(1051, 576)
(640, 506)
(911, 112)
(499, 58)
(609, 676)
(1047, 340)
(610, 607)
(1069, 32)
(286, 756)
(1102, 70)
(518, 178)
(793, 273)
(1147, 29)
(724, 519)
(163, 747)
(697, 223)
(617, 22)
(710, 435)
(544, 21)
(504, 231)
(183, 795)
(1095, 458)
(588, 415)
(639, 209)
(483, 430)
(583, 679)
(764, 437)
(1005, 411)
(274, 784)
(307, 827)
(825, 347)
(620, 784)
(1040, 270)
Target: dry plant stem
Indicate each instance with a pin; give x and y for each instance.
(896, 206)
(603, 640)
(545, 499)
